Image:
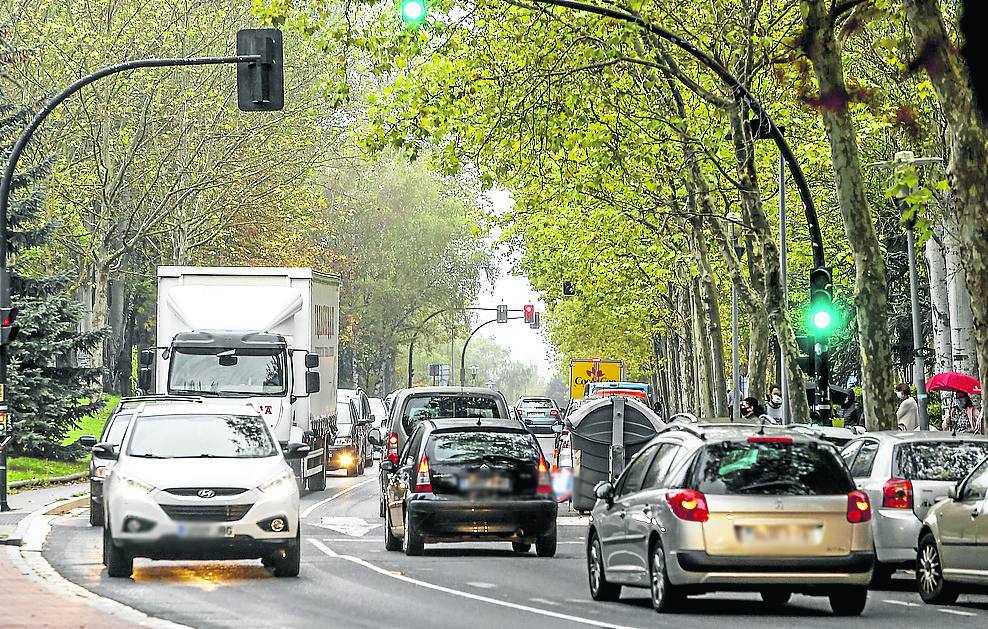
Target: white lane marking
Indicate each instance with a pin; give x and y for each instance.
(354, 527)
(483, 585)
(955, 612)
(351, 540)
(903, 603)
(543, 601)
(312, 508)
(476, 597)
(567, 520)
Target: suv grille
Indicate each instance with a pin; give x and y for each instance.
(206, 513)
(194, 491)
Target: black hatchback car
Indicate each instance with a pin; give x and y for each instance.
(462, 480)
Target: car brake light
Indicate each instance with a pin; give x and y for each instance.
(858, 507)
(554, 413)
(545, 481)
(689, 505)
(769, 439)
(897, 493)
(423, 482)
(393, 448)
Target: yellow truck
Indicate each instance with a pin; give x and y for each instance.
(586, 370)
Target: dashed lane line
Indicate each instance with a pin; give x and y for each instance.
(955, 612)
(469, 595)
(315, 506)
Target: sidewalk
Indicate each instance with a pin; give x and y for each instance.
(25, 601)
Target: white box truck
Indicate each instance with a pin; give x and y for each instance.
(268, 335)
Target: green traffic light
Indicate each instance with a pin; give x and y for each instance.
(822, 319)
(413, 12)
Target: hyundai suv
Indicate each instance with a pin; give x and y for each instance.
(714, 507)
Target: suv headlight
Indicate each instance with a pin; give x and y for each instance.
(133, 486)
(283, 483)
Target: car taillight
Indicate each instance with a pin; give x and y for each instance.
(393, 448)
(858, 507)
(554, 413)
(423, 482)
(897, 493)
(689, 505)
(545, 481)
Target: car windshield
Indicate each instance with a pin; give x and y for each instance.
(447, 406)
(201, 436)
(938, 460)
(476, 445)
(344, 421)
(772, 468)
(221, 371)
(118, 426)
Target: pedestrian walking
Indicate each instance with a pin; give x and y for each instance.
(773, 403)
(907, 415)
(964, 416)
(751, 409)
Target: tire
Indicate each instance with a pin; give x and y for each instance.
(600, 588)
(545, 546)
(351, 471)
(290, 563)
(360, 466)
(665, 596)
(849, 601)
(776, 598)
(95, 513)
(413, 544)
(881, 578)
(119, 562)
(380, 506)
(933, 589)
(391, 542)
(521, 547)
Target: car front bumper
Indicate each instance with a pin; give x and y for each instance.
(464, 520)
(341, 458)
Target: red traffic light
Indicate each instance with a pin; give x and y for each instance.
(8, 315)
(529, 311)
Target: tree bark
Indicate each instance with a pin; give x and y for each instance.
(964, 353)
(688, 392)
(871, 285)
(701, 349)
(710, 310)
(936, 269)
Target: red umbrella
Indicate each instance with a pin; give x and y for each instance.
(953, 381)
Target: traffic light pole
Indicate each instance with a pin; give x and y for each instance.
(463, 354)
(11, 168)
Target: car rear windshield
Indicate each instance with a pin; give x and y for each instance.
(447, 406)
(536, 404)
(938, 460)
(771, 468)
(481, 445)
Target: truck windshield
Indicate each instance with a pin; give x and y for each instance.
(222, 371)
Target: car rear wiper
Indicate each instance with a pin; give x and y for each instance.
(774, 483)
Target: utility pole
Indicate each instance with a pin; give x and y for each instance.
(735, 333)
(784, 276)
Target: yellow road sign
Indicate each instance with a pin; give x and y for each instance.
(583, 371)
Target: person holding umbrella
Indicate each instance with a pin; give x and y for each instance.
(964, 416)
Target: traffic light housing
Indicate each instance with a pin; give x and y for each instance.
(414, 12)
(536, 321)
(8, 329)
(529, 312)
(568, 289)
(822, 315)
(261, 84)
(502, 314)
(807, 355)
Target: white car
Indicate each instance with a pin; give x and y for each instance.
(200, 480)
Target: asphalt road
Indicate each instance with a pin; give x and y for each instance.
(349, 580)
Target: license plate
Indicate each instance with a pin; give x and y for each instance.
(776, 534)
(204, 530)
(485, 483)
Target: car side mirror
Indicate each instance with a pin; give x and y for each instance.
(374, 437)
(296, 450)
(388, 466)
(312, 382)
(557, 427)
(106, 451)
(87, 441)
(604, 491)
(311, 361)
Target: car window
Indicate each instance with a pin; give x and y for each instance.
(412, 447)
(659, 469)
(771, 468)
(631, 481)
(938, 460)
(977, 484)
(114, 431)
(444, 406)
(475, 446)
(848, 453)
(861, 467)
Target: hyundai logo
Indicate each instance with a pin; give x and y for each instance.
(206, 493)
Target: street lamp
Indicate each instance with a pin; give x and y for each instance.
(733, 218)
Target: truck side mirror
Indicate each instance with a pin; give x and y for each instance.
(146, 357)
(311, 361)
(312, 381)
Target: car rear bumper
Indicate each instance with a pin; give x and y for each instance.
(699, 568)
(540, 426)
(896, 534)
(463, 520)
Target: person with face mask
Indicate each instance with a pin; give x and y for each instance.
(964, 416)
(773, 403)
(907, 415)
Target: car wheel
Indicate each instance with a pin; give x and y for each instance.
(545, 546)
(665, 596)
(521, 547)
(95, 513)
(360, 466)
(380, 506)
(119, 562)
(933, 589)
(776, 598)
(413, 543)
(600, 588)
(849, 601)
(289, 562)
(390, 541)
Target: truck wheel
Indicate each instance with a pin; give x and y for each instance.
(289, 563)
(119, 562)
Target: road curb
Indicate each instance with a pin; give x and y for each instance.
(42, 482)
(29, 560)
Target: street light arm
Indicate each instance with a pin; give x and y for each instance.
(463, 353)
(741, 92)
